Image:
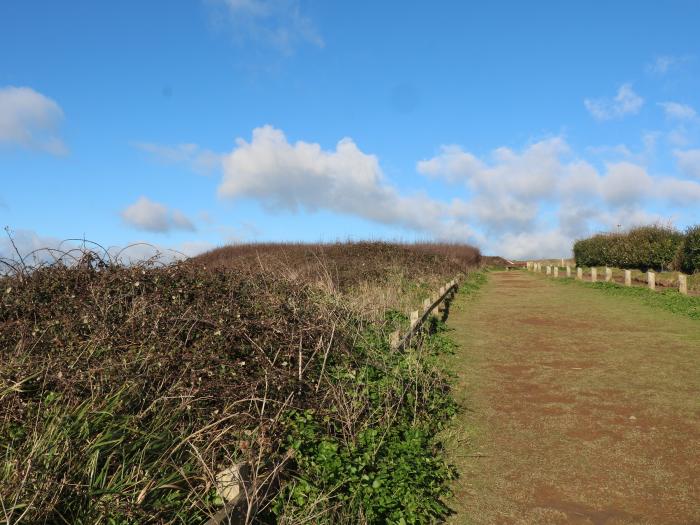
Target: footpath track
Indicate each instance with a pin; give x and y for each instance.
(580, 407)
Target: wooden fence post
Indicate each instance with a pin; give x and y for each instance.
(608, 274)
(594, 275)
(394, 339)
(651, 280)
(683, 283)
(579, 273)
(568, 270)
(628, 277)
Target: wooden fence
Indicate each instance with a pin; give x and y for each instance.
(431, 306)
(535, 266)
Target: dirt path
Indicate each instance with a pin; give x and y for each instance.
(581, 408)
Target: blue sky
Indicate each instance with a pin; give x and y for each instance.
(517, 126)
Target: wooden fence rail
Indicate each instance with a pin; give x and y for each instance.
(430, 306)
(593, 273)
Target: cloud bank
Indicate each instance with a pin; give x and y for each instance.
(518, 203)
(538, 200)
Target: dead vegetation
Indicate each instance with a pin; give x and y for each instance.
(124, 389)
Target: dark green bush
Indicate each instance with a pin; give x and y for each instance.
(645, 247)
(689, 258)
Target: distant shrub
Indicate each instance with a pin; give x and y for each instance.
(646, 247)
(689, 253)
(653, 247)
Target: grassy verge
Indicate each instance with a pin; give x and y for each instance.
(669, 300)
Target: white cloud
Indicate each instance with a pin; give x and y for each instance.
(279, 24)
(625, 183)
(202, 161)
(689, 162)
(662, 64)
(538, 200)
(29, 119)
(151, 216)
(675, 110)
(507, 189)
(36, 249)
(142, 251)
(642, 155)
(626, 102)
(517, 203)
(531, 173)
(32, 247)
(303, 176)
(534, 244)
(679, 192)
(625, 218)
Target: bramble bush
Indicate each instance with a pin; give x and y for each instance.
(125, 388)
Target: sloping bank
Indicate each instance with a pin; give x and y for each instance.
(125, 389)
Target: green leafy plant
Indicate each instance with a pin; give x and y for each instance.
(390, 470)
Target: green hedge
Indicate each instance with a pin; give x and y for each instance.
(648, 247)
(689, 254)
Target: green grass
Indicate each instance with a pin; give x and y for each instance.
(669, 300)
